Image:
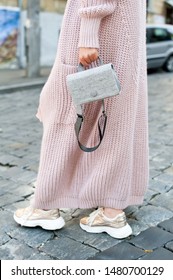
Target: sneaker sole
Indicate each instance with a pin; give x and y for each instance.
(45, 224)
(118, 233)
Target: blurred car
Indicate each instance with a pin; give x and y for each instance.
(160, 46)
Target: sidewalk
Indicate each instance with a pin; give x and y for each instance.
(20, 138)
(15, 79)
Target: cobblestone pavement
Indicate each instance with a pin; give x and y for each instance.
(152, 222)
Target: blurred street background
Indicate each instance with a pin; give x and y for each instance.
(29, 32)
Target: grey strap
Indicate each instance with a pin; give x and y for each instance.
(78, 125)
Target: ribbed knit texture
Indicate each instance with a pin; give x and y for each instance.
(115, 175)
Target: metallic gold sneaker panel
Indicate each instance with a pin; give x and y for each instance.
(97, 222)
(31, 217)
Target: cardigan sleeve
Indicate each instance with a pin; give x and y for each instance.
(91, 13)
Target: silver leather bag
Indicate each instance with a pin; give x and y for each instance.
(90, 85)
(93, 84)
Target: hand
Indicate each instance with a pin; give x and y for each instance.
(87, 56)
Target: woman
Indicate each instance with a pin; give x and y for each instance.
(116, 174)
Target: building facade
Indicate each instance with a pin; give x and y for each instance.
(45, 5)
(160, 11)
(51, 14)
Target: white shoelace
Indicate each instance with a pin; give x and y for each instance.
(93, 215)
(26, 216)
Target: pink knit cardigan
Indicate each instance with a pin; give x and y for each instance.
(115, 175)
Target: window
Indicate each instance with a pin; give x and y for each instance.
(148, 35)
(158, 35)
(171, 32)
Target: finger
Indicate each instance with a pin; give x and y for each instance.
(81, 59)
(83, 62)
(94, 57)
(88, 59)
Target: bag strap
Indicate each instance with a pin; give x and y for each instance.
(80, 119)
(78, 126)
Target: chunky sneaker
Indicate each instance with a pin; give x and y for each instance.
(30, 217)
(97, 222)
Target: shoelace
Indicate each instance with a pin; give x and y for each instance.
(93, 215)
(26, 216)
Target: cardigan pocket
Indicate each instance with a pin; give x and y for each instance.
(55, 103)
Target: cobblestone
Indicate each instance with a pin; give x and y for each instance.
(57, 248)
(33, 238)
(122, 251)
(4, 237)
(152, 222)
(169, 246)
(159, 187)
(158, 254)
(167, 225)
(152, 215)
(147, 239)
(164, 200)
(9, 198)
(16, 250)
